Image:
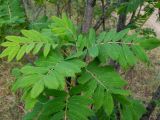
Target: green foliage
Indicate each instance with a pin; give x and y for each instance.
(63, 27)
(40, 24)
(129, 6)
(44, 1)
(32, 41)
(101, 83)
(157, 5)
(62, 107)
(48, 72)
(157, 103)
(133, 111)
(150, 43)
(132, 5)
(72, 78)
(120, 47)
(11, 12)
(140, 20)
(12, 17)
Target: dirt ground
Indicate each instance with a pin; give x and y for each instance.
(143, 81)
(9, 102)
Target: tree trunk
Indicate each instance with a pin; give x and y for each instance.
(88, 15)
(121, 19)
(103, 13)
(69, 8)
(158, 117)
(25, 4)
(58, 9)
(151, 106)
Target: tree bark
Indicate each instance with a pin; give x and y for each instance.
(69, 8)
(158, 117)
(25, 4)
(103, 13)
(88, 15)
(151, 106)
(122, 19)
(58, 9)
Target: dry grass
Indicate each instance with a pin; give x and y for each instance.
(143, 81)
(9, 102)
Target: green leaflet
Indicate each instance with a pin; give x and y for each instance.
(21, 52)
(37, 89)
(103, 55)
(13, 52)
(111, 50)
(99, 97)
(149, 44)
(81, 42)
(91, 44)
(129, 56)
(120, 35)
(47, 48)
(101, 37)
(26, 81)
(32, 42)
(6, 52)
(37, 48)
(51, 60)
(30, 47)
(133, 111)
(108, 103)
(91, 38)
(26, 70)
(69, 68)
(109, 35)
(93, 51)
(51, 81)
(121, 92)
(29, 101)
(91, 86)
(139, 52)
